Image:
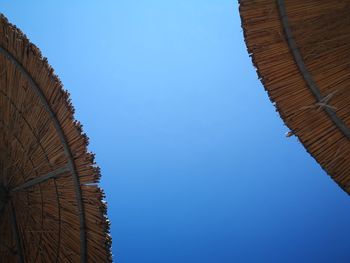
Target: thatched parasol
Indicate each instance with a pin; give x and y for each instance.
(301, 49)
(51, 209)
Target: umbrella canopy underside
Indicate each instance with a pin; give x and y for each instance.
(51, 209)
(301, 50)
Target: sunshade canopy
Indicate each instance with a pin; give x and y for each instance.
(51, 209)
(301, 49)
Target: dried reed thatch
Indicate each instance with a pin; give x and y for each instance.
(51, 209)
(301, 49)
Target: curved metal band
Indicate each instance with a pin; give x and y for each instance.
(303, 70)
(59, 130)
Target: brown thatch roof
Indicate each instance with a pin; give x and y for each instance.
(301, 49)
(51, 209)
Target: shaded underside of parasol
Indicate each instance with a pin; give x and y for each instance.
(301, 50)
(51, 208)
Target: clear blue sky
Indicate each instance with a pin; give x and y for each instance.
(195, 163)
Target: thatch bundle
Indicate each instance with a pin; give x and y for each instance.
(51, 209)
(301, 49)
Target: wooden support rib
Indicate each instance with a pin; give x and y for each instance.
(16, 234)
(54, 174)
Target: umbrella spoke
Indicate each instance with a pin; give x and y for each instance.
(53, 174)
(16, 233)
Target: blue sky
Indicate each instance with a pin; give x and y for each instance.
(196, 166)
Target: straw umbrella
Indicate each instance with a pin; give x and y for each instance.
(301, 49)
(51, 209)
